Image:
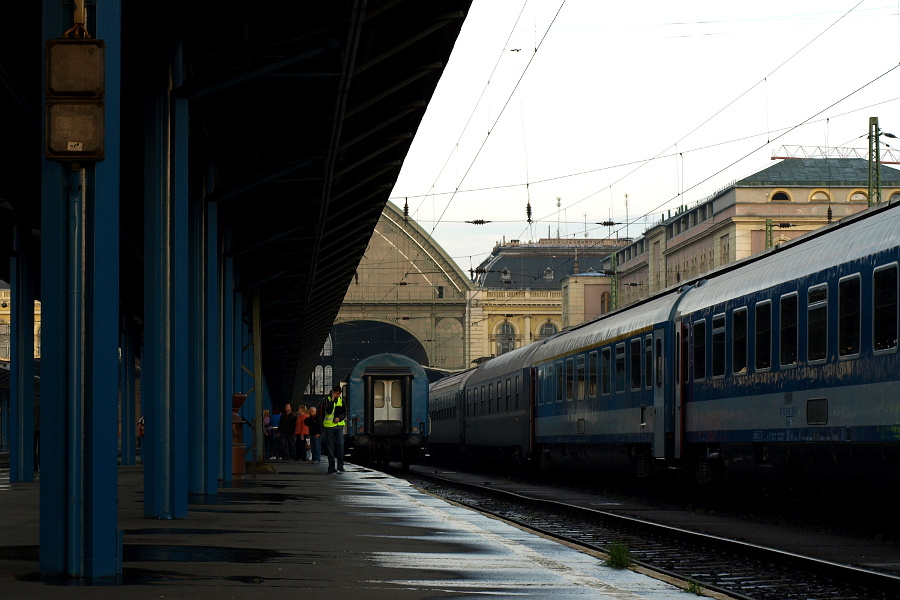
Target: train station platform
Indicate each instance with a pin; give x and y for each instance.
(353, 536)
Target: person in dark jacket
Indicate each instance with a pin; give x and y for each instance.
(314, 423)
(286, 427)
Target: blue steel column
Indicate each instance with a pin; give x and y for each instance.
(165, 306)
(214, 398)
(21, 366)
(79, 292)
(228, 359)
(198, 418)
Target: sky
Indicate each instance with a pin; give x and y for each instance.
(597, 111)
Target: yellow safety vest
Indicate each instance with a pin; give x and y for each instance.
(329, 417)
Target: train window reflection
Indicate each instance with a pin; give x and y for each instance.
(817, 323)
(764, 335)
(648, 362)
(570, 380)
(885, 310)
(592, 373)
(739, 341)
(620, 368)
(848, 316)
(788, 330)
(396, 394)
(636, 364)
(579, 379)
(605, 371)
(700, 350)
(379, 394)
(718, 346)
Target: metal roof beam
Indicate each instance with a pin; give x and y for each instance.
(441, 22)
(410, 108)
(255, 182)
(422, 72)
(397, 140)
(192, 92)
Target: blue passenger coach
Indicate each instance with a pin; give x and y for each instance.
(783, 366)
(388, 408)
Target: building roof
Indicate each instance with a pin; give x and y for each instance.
(815, 172)
(543, 265)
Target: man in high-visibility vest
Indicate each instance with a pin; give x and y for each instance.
(333, 422)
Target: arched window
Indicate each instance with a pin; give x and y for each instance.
(819, 196)
(328, 380)
(859, 196)
(328, 348)
(505, 276)
(781, 196)
(319, 380)
(506, 338)
(895, 197)
(547, 329)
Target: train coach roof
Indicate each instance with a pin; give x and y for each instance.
(505, 363)
(388, 360)
(851, 239)
(609, 328)
(451, 382)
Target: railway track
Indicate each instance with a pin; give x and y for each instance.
(733, 567)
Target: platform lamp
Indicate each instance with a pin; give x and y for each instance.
(76, 82)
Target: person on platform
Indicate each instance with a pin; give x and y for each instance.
(333, 423)
(301, 433)
(314, 426)
(268, 432)
(286, 427)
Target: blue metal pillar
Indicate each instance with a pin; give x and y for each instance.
(80, 299)
(164, 377)
(214, 398)
(22, 459)
(229, 351)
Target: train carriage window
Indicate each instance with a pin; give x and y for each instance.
(817, 323)
(508, 390)
(570, 380)
(788, 339)
(700, 349)
(499, 396)
(636, 364)
(739, 341)
(483, 400)
(648, 362)
(548, 382)
(718, 346)
(764, 335)
(884, 315)
(490, 405)
(579, 378)
(518, 388)
(592, 374)
(468, 403)
(378, 391)
(396, 394)
(560, 382)
(849, 290)
(620, 368)
(605, 371)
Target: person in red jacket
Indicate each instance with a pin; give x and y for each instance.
(301, 432)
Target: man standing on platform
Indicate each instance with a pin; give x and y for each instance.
(286, 432)
(335, 413)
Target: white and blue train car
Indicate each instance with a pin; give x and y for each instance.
(792, 362)
(783, 366)
(497, 420)
(603, 398)
(388, 410)
(446, 404)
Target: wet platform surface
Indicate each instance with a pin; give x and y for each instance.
(356, 535)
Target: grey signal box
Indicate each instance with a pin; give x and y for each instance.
(76, 85)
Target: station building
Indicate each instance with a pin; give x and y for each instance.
(772, 206)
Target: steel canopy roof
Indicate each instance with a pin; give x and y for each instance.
(301, 114)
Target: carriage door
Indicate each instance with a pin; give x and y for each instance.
(388, 403)
(658, 381)
(675, 391)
